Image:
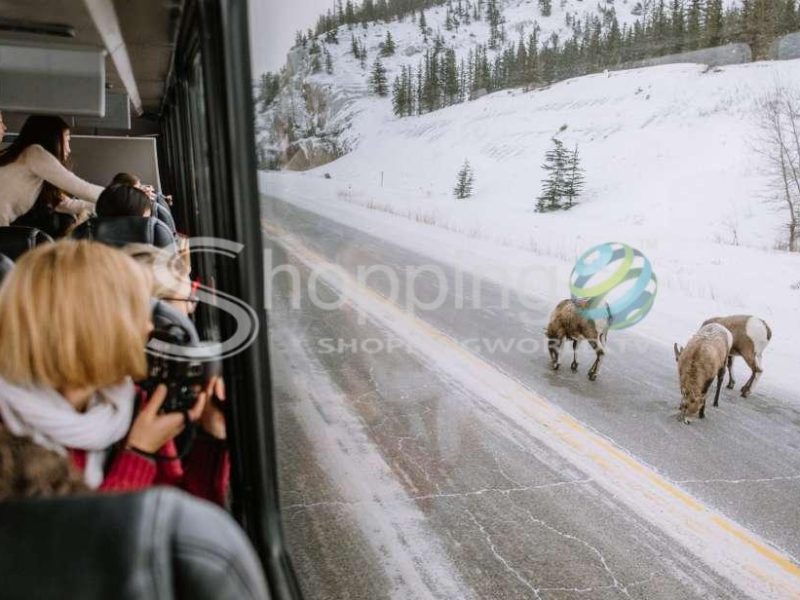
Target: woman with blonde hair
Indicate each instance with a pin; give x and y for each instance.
(74, 320)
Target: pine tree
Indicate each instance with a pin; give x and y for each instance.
(362, 56)
(713, 23)
(423, 24)
(553, 187)
(465, 182)
(574, 179)
(388, 46)
(328, 62)
(316, 64)
(331, 36)
(693, 25)
(546, 7)
(399, 100)
(678, 29)
(495, 19)
(377, 80)
(354, 48)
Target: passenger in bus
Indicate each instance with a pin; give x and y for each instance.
(134, 181)
(74, 319)
(3, 128)
(161, 203)
(123, 201)
(34, 169)
(170, 272)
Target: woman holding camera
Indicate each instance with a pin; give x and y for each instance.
(74, 321)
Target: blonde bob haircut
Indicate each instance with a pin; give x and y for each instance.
(169, 271)
(74, 314)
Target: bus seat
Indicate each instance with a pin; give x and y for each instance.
(16, 240)
(53, 223)
(158, 544)
(168, 318)
(164, 215)
(120, 231)
(6, 264)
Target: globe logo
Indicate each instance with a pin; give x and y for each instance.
(615, 282)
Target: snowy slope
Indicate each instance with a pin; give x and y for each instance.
(345, 94)
(671, 168)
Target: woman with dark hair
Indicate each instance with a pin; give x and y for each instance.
(123, 201)
(34, 168)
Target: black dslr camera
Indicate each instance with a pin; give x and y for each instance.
(178, 359)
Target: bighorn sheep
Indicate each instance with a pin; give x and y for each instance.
(750, 337)
(704, 358)
(566, 321)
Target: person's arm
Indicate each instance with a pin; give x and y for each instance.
(45, 165)
(73, 206)
(207, 469)
(129, 472)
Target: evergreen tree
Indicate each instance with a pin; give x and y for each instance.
(546, 7)
(465, 182)
(495, 18)
(388, 46)
(553, 187)
(693, 31)
(362, 56)
(450, 78)
(316, 64)
(574, 178)
(268, 88)
(328, 62)
(713, 23)
(423, 24)
(354, 47)
(678, 26)
(377, 80)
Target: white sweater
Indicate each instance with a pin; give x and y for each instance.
(22, 180)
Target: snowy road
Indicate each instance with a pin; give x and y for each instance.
(419, 463)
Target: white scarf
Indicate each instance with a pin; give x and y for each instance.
(46, 417)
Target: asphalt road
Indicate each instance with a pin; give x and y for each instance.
(402, 479)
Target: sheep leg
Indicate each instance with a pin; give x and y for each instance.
(754, 363)
(598, 348)
(731, 381)
(574, 365)
(554, 347)
(720, 377)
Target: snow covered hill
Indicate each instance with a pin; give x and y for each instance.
(672, 168)
(671, 156)
(318, 113)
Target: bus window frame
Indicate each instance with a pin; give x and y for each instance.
(217, 31)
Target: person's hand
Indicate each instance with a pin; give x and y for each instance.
(149, 190)
(151, 430)
(213, 419)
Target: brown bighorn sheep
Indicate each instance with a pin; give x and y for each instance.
(704, 358)
(750, 337)
(566, 321)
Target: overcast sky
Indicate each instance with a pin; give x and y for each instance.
(273, 24)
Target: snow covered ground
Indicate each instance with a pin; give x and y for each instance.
(671, 168)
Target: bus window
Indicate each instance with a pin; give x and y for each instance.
(533, 272)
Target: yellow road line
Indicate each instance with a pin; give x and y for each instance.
(736, 553)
